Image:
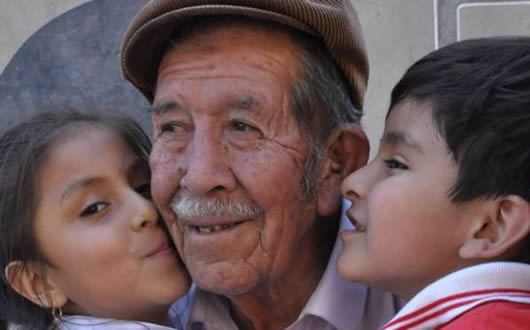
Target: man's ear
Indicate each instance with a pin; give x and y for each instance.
(346, 151)
(497, 231)
(29, 280)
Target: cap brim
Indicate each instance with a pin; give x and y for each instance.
(142, 52)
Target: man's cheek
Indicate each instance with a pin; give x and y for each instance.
(165, 177)
(175, 231)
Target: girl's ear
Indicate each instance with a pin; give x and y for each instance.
(346, 151)
(29, 280)
(496, 232)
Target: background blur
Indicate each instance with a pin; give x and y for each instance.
(71, 53)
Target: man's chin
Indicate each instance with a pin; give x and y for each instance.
(229, 291)
(225, 280)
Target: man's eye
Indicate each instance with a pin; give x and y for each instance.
(93, 209)
(241, 126)
(170, 127)
(145, 191)
(395, 164)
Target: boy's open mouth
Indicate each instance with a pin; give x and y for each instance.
(358, 227)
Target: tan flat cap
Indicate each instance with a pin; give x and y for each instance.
(334, 21)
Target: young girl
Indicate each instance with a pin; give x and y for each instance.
(81, 243)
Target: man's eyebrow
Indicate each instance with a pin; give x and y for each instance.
(244, 103)
(79, 184)
(395, 138)
(164, 107)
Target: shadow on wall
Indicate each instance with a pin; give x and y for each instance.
(73, 62)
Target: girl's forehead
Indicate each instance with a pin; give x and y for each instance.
(88, 149)
(80, 130)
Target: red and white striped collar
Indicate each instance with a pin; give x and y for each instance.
(458, 292)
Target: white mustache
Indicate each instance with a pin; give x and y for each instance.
(189, 207)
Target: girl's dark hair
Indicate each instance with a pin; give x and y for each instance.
(23, 150)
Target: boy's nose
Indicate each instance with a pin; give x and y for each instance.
(355, 186)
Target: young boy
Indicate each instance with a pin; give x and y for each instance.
(442, 214)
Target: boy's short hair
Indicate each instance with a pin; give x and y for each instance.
(479, 93)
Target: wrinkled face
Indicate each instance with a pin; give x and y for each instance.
(228, 156)
(408, 231)
(98, 228)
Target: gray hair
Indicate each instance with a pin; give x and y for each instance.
(194, 207)
(320, 102)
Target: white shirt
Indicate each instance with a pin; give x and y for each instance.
(456, 293)
(81, 322)
(335, 304)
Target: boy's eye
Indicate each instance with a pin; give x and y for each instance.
(395, 164)
(93, 209)
(145, 190)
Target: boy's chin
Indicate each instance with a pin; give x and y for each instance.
(354, 268)
(349, 268)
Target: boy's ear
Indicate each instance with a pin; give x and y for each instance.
(28, 280)
(347, 150)
(496, 232)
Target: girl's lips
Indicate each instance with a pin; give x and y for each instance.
(163, 249)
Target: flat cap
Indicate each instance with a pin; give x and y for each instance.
(335, 22)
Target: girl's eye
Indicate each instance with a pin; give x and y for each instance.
(145, 190)
(93, 209)
(395, 164)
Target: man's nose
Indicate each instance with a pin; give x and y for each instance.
(208, 165)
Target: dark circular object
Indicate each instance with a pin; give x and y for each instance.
(72, 62)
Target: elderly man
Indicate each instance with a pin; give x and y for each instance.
(255, 108)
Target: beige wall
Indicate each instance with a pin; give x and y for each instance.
(19, 19)
(398, 32)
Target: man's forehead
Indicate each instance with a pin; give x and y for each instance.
(246, 102)
(251, 55)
